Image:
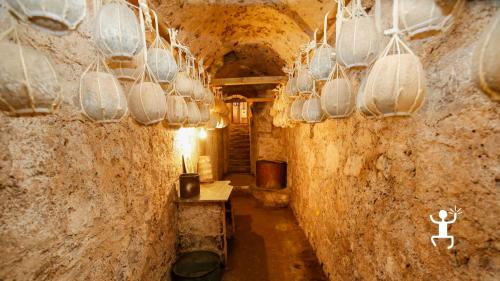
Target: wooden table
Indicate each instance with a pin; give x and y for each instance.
(202, 220)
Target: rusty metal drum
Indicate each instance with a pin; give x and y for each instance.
(271, 174)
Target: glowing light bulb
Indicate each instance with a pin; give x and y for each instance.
(202, 134)
(185, 140)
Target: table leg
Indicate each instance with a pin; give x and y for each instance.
(224, 229)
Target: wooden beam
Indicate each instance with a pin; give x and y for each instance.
(249, 100)
(262, 99)
(248, 80)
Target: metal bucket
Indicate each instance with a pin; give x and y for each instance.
(189, 185)
(271, 174)
(197, 266)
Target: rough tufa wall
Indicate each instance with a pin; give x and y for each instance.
(267, 142)
(363, 189)
(83, 201)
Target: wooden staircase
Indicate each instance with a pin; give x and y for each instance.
(239, 148)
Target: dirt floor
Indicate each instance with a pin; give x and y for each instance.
(268, 244)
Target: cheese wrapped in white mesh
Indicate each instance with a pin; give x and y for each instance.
(102, 98)
(337, 97)
(486, 63)
(311, 110)
(357, 37)
(28, 81)
(193, 116)
(117, 33)
(323, 59)
(54, 16)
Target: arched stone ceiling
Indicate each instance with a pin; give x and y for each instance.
(240, 38)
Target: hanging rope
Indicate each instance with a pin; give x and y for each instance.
(143, 5)
(395, 20)
(325, 30)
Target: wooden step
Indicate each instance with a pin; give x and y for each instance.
(239, 148)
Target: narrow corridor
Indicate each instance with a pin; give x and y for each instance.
(268, 245)
(249, 140)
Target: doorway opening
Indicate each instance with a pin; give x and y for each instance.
(239, 138)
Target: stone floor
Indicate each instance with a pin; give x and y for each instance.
(268, 244)
(240, 180)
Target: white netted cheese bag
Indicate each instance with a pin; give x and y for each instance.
(337, 97)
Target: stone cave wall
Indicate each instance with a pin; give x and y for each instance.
(363, 189)
(83, 201)
(266, 140)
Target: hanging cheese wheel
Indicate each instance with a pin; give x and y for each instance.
(291, 87)
(337, 98)
(305, 81)
(101, 97)
(160, 60)
(147, 103)
(199, 91)
(312, 111)
(28, 81)
(486, 64)
(184, 84)
(357, 38)
(6, 20)
(296, 110)
(418, 17)
(54, 16)
(209, 98)
(193, 116)
(162, 65)
(322, 62)
(117, 34)
(177, 110)
(396, 85)
(360, 101)
(323, 59)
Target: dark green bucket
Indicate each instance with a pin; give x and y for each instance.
(197, 266)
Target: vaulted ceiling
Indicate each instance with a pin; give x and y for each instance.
(239, 38)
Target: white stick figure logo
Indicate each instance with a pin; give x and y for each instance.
(443, 225)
